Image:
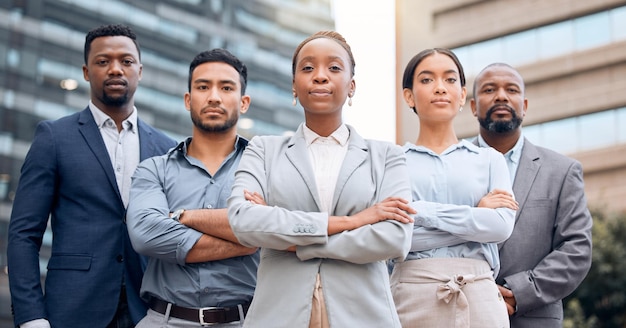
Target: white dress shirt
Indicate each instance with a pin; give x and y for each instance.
(326, 155)
(122, 147)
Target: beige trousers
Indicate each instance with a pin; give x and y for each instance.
(319, 316)
(447, 292)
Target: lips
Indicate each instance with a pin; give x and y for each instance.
(115, 83)
(440, 100)
(320, 92)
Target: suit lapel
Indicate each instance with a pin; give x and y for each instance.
(529, 165)
(355, 156)
(298, 155)
(89, 130)
(146, 147)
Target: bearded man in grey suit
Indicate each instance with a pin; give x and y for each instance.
(549, 253)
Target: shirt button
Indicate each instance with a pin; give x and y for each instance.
(206, 290)
(120, 258)
(209, 206)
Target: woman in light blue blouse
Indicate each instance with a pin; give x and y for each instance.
(465, 206)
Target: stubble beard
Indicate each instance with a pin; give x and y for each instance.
(213, 128)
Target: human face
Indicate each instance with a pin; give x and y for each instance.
(113, 70)
(499, 103)
(215, 99)
(437, 94)
(323, 78)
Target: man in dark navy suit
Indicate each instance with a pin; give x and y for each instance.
(77, 172)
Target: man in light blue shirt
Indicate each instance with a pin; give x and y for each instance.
(198, 273)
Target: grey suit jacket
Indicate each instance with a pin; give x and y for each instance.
(351, 264)
(549, 253)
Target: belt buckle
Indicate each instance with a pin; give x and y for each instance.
(201, 315)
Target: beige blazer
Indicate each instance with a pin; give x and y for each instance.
(352, 266)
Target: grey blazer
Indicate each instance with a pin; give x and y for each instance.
(352, 266)
(549, 253)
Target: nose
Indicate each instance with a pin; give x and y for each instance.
(115, 68)
(213, 96)
(501, 95)
(320, 77)
(440, 87)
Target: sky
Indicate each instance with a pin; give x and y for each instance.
(369, 28)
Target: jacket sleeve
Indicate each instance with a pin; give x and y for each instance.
(562, 270)
(268, 226)
(29, 217)
(381, 241)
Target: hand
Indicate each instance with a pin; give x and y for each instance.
(498, 198)
(392, 208)
(291, 248)
(509, 299)
(254, 197)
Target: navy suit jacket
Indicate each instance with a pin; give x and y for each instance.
(67, 175)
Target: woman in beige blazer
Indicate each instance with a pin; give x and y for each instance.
(326, 206)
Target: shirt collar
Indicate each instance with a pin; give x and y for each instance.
(461, 144)
(514, 154)
(101, 117)
(341, 135)
(240, 143)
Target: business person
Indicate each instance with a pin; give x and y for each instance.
(197, 271)
(336, 206)
(78, 172)
(549, 253)
(464, 203)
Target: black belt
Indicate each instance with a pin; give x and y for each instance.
(204, 316)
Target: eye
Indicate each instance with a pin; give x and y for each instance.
(128, 62)
(426, 80)
(228, 88)
(307, 68)
(488, 90)
(451, 80)
(513, 90)
(102, 62)
(335, 68)
(201, 87)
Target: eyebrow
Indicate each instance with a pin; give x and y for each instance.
(450, 71)
(201, 80)
(311, 58)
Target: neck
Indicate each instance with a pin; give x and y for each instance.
(212, 146)
(324, 125)
(437, 137)
(501, 141)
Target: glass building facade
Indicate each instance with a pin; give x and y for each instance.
(41, 58)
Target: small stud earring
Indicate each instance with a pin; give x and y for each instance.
(294, 102)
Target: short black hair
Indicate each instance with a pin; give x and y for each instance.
(109, 30)
(223, 56)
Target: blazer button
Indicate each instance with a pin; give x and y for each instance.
(120, 258)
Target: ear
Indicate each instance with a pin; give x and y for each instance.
(525, 106)
(85, 73)
(188, 101)
(352, 87)
(408, 97)
(473, 106)
(140, 71)
(245, 104)
(463, 96)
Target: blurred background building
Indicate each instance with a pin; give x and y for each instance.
(572, 55)
(41, 58)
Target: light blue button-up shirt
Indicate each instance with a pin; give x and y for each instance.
(446, 189)
(512, 156)
(162, 185)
